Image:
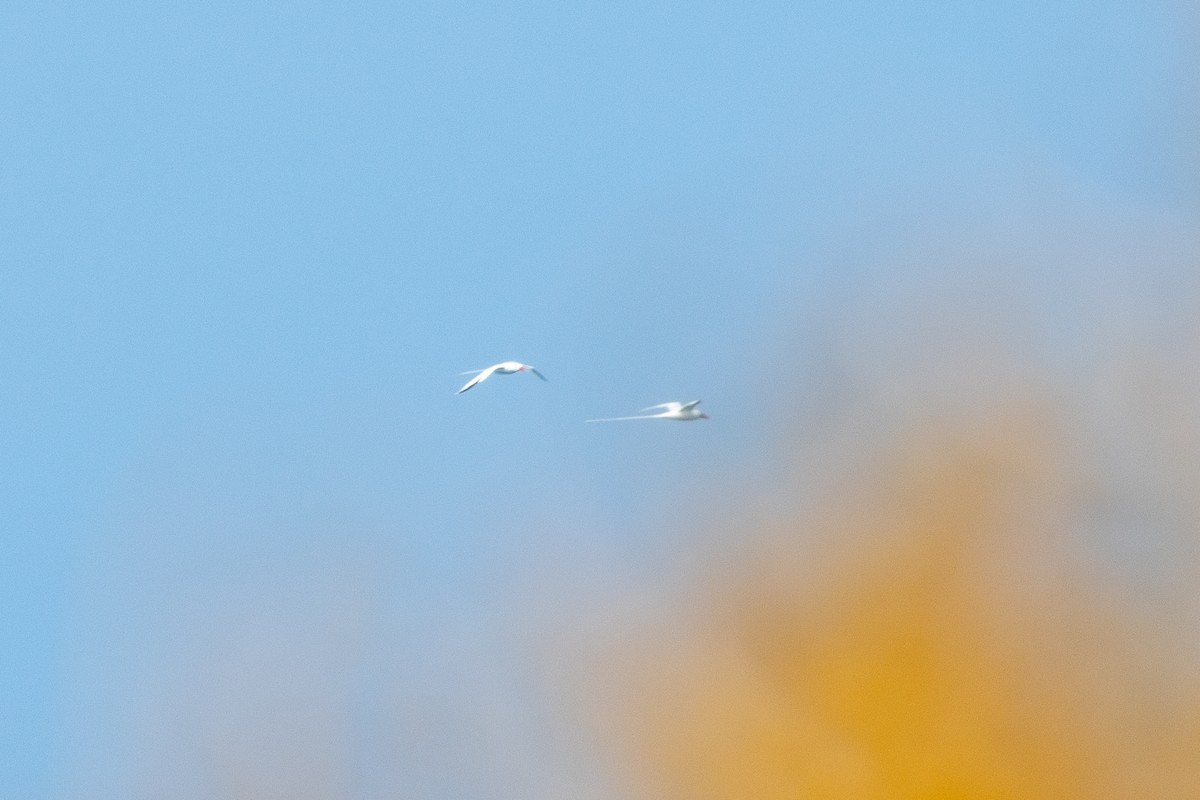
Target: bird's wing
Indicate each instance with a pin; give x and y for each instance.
(692, 404)
(469, 384)
(535, 372)
(618, 419)
(482, 376)
(672, 406)
(472, 372)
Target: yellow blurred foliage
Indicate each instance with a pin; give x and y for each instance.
(940, 641)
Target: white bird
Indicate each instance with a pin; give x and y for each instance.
(503, 368)
(680, 411)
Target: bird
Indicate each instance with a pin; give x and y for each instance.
(503, 368)
(677, 411)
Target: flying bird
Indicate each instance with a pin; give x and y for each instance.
(680, 411)
(503, 368)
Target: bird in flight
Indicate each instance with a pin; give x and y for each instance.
(680, 411)
(503, 368)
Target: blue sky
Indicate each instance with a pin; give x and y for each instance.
(246, 249)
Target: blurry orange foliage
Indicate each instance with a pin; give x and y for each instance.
(940, 641)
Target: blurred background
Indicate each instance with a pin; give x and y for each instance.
(933, 270)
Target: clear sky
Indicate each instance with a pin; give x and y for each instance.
(246, 249)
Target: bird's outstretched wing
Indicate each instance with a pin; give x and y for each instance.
(692, 404)
(618, 419)
(482, 376)
(672, 406)
(535, 372)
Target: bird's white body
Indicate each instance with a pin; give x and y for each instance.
(682, 412)
(503, 368)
